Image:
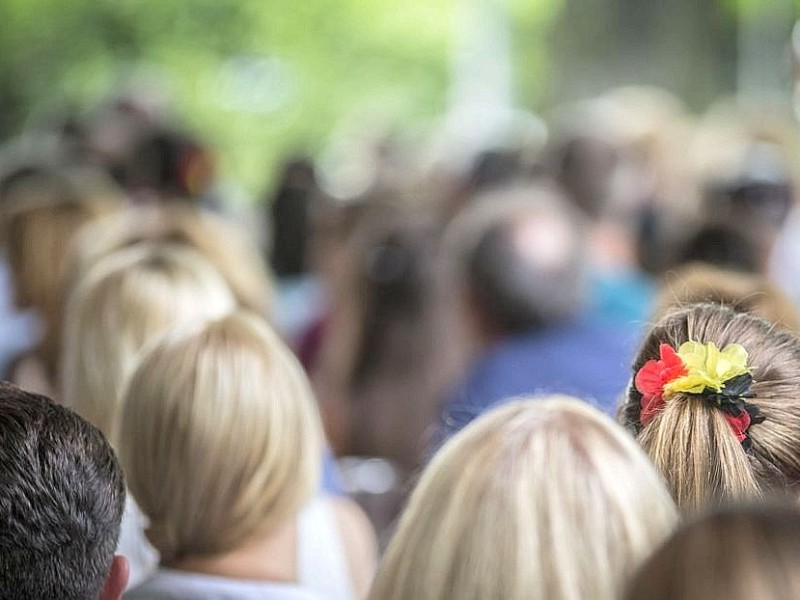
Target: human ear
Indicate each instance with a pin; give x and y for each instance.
(117, 579)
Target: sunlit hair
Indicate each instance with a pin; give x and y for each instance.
(737, 554)
(40, 218)
(126, 300)
(221, 242)
(220, 437)
(690, 441)
(743, 292)
(540, 499)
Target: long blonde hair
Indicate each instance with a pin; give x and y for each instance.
(540, 499)
(126, 300)
(220, 436)
(690, 441)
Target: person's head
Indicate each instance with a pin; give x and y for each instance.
(725, 246)
(42, 215)
(519, 256)
(393, 284)
(168, 166)
(691, 439)
(221, 243)
(42, 212)
(735, 554)
(542, 498)
(62, 495)
(291, 208)
(126, 300)
(220, 437)
(743, 292)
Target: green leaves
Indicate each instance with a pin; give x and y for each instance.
(326, 63)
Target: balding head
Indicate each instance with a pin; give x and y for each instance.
(519, 255)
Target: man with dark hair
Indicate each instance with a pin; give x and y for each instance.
(62, 495)
(518, 256)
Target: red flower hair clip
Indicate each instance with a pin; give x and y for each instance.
(653, 376)
(720, 376)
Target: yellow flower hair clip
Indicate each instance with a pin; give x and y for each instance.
(708, 367)
(720, 376)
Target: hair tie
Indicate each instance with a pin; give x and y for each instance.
(722, 377)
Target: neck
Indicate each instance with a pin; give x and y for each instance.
(270, 557)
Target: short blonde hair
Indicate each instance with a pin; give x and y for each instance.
(220, 438)
(543, 498)
(218, 240)
(690, 441)
(125, 301)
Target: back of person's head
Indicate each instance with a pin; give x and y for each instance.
(221, 243)
(743, 292)
(519, 253)
(42, 215)
(542, 499)
(291, 210)
(126, 300)
(62, 496)
(724, 246)
(713, 448)
(585, 164)
(394, 269)
(220, 437)
(169, 165)
(736, 554)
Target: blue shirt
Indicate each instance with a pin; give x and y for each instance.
(582, 358)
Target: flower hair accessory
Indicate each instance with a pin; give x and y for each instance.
(720, 376)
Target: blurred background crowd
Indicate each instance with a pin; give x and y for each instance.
(437, 206)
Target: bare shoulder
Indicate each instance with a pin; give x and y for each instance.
(359, 541)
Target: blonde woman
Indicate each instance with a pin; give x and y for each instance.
(123, 302)
(715, 403)
(221, 444)
(736, 554)
(218, 240)
(41, 217)
(126, 300)
(538, 499)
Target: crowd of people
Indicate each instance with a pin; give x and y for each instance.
(564, 369)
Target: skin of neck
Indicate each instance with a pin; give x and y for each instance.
(263, 557)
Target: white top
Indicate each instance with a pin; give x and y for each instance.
(321, 559)
(182, 585)
(133, 545)
(322, 571)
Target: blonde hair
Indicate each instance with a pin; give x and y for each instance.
(743, 292)
(738, 554)
(126, 300)
(220, 438)
(690, 441)
(537, 499)
(218, 240)
(40, 221)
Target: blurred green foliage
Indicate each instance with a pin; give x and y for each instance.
(256, 79)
